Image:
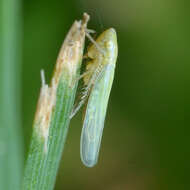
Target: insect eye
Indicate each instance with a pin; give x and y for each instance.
(110, 45)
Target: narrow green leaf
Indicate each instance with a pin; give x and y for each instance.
(11, 152)
(52, 116)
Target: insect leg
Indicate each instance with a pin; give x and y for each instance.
(94, 42)
(82, 101)
(87, 89)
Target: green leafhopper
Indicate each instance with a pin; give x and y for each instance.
(98, 79)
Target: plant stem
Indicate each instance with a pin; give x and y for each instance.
(11, 150)
(53, 111)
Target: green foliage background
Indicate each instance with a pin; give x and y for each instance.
(145, 143)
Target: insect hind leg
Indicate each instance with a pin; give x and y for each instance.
(87, 90)
(84, 96)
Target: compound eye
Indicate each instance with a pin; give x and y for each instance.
(110, 45)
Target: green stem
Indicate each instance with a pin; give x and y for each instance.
(11, 152)
(52, 119)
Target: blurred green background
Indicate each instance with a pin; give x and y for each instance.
(145, 145)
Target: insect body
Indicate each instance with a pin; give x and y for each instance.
(99, 78)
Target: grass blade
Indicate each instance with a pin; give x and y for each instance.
(11, 152)
(52, 117)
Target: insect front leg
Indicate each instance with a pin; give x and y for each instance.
(87, 33)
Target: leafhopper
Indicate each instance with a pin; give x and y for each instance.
(98, 79)
(100, 73)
